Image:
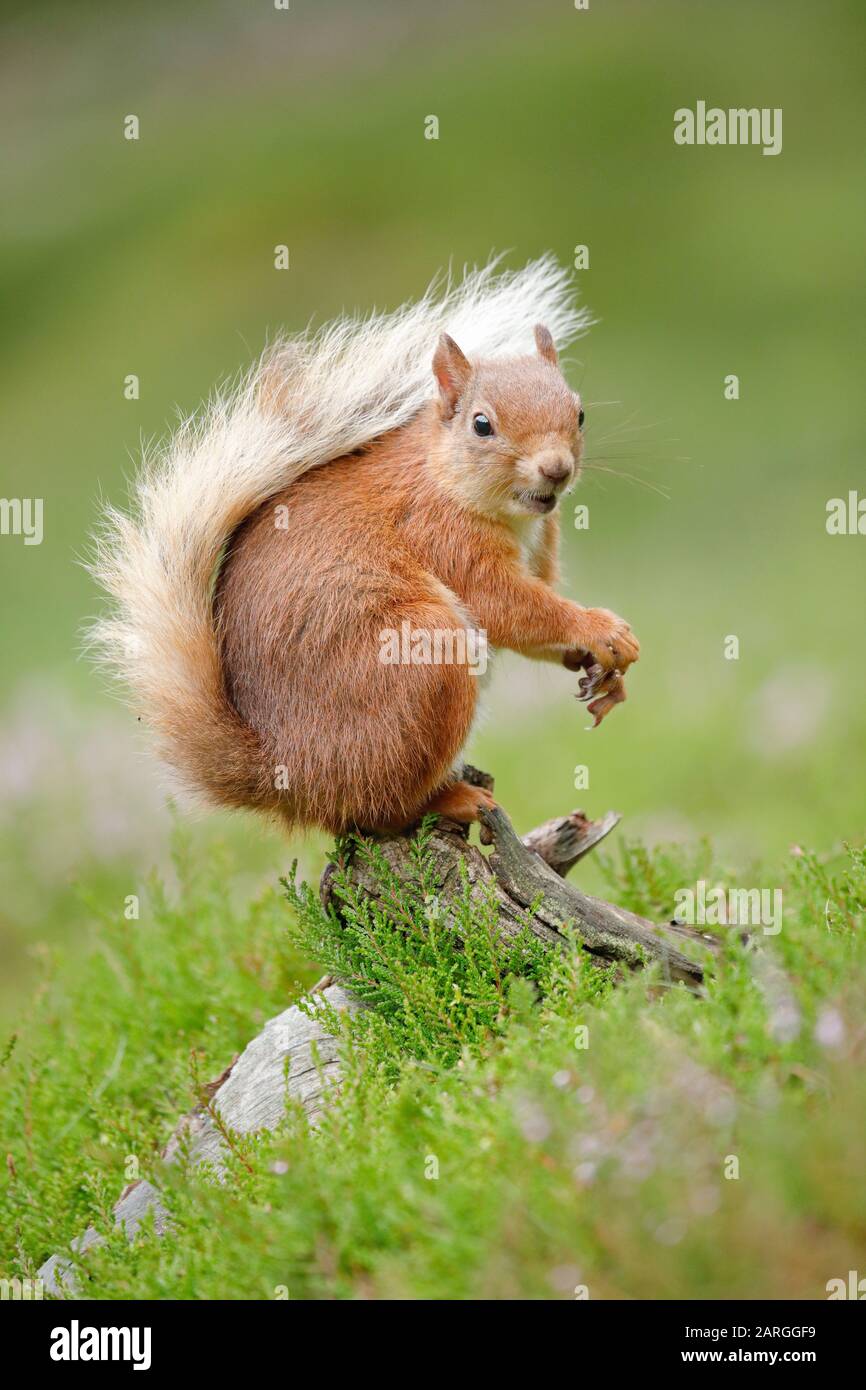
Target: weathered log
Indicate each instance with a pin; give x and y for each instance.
(564, 841)
(250, 1095)
(520, 876)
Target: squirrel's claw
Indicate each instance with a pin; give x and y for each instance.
(591, 683)
(613, 696)
(597, 681)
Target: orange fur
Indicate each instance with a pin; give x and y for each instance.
(431, 525)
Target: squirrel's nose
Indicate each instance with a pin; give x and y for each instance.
(555, 469)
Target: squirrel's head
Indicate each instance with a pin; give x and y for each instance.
(510, 429)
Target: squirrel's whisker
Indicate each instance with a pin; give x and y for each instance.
(629, 477)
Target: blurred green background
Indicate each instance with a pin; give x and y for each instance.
(306, 127)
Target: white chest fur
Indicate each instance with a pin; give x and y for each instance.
(529, 534)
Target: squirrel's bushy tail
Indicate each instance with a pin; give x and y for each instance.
(309, 400)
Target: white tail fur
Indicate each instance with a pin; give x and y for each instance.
(339, 388)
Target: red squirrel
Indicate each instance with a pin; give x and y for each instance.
(371, 480)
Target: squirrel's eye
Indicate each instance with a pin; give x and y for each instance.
(580, 419)
(482, 425)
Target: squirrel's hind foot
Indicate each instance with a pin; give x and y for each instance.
(460, 802)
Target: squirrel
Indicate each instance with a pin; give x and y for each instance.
(370, 479)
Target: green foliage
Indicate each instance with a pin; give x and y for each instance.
(107, 1055)
(437, 981)
(476, 1147)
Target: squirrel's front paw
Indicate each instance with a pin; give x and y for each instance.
(608, 647)
(602, 639)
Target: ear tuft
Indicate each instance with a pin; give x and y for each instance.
(452, 370)
(545, 344)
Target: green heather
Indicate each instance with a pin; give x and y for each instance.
(482, 1145)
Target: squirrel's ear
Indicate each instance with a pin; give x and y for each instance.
(545, 344)
(452, 371)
